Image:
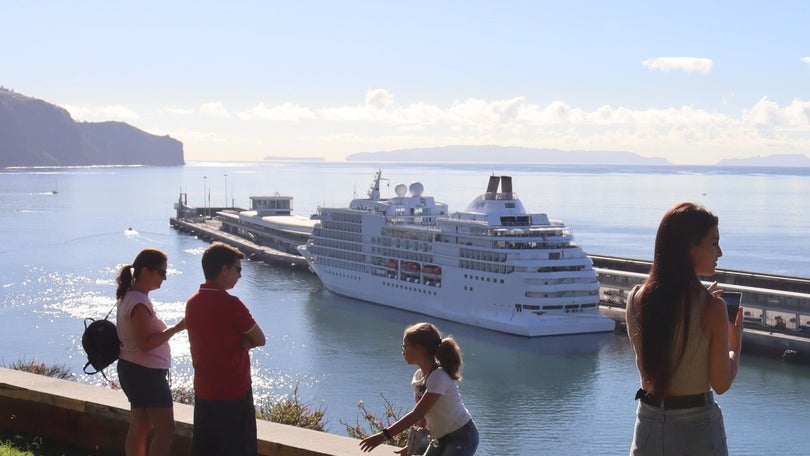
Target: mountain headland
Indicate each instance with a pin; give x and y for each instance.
(34, 132)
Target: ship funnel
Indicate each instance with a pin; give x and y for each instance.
(492, 187)
(506, 184)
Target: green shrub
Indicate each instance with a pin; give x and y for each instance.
(375, 424)
(40, 368)
(292, 411)
(183, 395)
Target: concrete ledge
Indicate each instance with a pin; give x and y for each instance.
(96, 419)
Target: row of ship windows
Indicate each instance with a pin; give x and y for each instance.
(392, 253)
(349, 266)
(570, 308)
(338, 217)
(494, 268)
(336, 253)
(403, 244)
(482, 278)
(345, 276)
(405, 287)
(390, 234)
(329, 233)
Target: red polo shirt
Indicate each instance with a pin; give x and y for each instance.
(216, 322)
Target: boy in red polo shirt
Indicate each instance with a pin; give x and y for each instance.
(221, 331)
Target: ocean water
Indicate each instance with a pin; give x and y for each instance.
(558, 396)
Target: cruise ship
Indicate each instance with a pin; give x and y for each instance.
(493, 266)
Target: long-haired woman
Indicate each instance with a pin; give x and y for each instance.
(684, 344)
(145, 358)
(439, 404)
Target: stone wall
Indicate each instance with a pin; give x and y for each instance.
(96, 419)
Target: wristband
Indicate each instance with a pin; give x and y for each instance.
(386, 433)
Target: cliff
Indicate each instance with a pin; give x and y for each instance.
(36, 133)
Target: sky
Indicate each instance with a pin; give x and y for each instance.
(691, 81)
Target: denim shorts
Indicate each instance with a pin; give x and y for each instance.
(144, 386)
(697, 431)
(461, 442)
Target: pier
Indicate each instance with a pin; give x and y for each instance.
(209, 230)
(776, 309)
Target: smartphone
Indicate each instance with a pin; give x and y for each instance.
(732, 299)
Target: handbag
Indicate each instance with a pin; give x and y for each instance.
(418, 441)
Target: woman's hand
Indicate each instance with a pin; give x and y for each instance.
(714, 290)
(735, 332)
(371, 442)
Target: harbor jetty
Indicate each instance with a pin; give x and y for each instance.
(222, 224)
(776, 308)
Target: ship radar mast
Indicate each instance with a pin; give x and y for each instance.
(374, 189)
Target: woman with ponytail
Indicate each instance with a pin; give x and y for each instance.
(438, 402)
(143, 365)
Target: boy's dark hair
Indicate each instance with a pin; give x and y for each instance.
(216, 256)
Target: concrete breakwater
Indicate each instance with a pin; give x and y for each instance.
(776, 309)
(209, 230)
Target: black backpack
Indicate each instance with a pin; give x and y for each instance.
(101, 343)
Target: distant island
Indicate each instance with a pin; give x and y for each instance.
(502, 154)
(36, 133)
(516, 155)
(781, 160)
(274, 158)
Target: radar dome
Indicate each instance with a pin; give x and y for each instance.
(416, 189)
(400, 190)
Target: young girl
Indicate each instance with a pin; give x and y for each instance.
(145, 357)
(684, 344)
(438, 403)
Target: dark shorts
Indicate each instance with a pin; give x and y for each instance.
(144, 386)
(226, 427)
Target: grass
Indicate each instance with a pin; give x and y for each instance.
(16, 444)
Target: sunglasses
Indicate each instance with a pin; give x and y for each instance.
(162, 273)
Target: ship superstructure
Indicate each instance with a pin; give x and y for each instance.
(492, 265)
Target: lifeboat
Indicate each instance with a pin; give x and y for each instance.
(391, 264)
(432, 269)
(408, 266)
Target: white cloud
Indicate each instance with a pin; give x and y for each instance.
(685, 134)
(176, 111)
(379, 98)
(287, 112)
(215, 109)
(101, 113)
(688, 64)
(806, 60)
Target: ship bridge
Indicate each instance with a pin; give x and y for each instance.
(500, 208)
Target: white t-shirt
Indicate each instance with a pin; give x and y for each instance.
(156, 358)
(448, 413)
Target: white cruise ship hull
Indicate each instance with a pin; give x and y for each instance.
(492, 266)
(448, 303)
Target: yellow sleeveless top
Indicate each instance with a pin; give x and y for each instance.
(691, 375)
